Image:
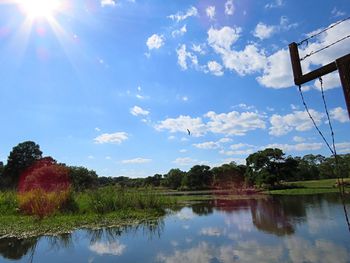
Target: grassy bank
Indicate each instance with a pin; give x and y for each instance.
(310, 187)
(105, 207)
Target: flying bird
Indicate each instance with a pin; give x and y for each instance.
(189, 132)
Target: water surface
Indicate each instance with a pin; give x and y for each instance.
(275, 229)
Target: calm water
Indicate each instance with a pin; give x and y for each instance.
(279, 229)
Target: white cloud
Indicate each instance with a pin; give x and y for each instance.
(183, 56)
(140, 97)
(107, 3)
(155, 41)
(339, 114)
(171, 137)
(97, 129)
(185, 161)
(299, 147)
(229, 8)
(181, 124)
(274, 4)
(330, 81)
(336, 13)
(179, 32)
(210, 11)
(263, 31)
(192, 11)
(298, 139)
(111, 248)
(207, 145)
(298, 120)
(117, 138)
(211, 144)
(244, 106)
(277, 73)
(234, 123)
(136, 111)
(183, 151)
(222, 39)
(184, 98)
(200, 48)
(215, 68)
(231, 123)
(343, 147)
(246, 61)
(136, 161)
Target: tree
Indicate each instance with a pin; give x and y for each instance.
(21, 157)
(82, 178)
(228, 175)
(264, 167)
(199, 177)
(173, 179)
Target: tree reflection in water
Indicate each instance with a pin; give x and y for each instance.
(16, 249)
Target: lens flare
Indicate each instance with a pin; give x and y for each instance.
(39, 8)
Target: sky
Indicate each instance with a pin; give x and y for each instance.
(114, 85)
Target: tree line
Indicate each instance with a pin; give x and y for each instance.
(265, 168)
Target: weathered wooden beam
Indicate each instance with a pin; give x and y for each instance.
(315, 74)
(295, 59)
(343, 65)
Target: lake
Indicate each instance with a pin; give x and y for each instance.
(271, 229)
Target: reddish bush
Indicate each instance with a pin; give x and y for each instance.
(43, 188)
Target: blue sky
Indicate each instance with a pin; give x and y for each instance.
(114, 85)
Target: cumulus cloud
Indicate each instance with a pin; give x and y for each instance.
(298, 139)
(215, 68)
(231, 123)
(339, 114)
(136, 111)
(180, 16)
(183, 56)
(179, 32)
(207, 145)
(275, 4)
(299, 147)
(234, 123)
(184, 161)
(263, 31)
(343, 147)
(107, 3)
(136, 161)
(212, 144)
(210, 11)
(222, 39)
(229, 8)
(114, 248)
(117, 138)
(181, 124)
(155, 41)
(298, 120)
(330, 81)
(200, 48)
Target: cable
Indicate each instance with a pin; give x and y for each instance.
(313, 121)
(319, 50)
(306, 40)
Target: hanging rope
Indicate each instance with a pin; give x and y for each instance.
(321, 49)
(306, 40)
(340, 179)
(313, 121)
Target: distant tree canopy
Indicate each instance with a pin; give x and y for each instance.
(82, 178)
(267, 167)
(21, 157)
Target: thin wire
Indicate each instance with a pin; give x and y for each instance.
(306, 40)
(313, 121)
(321, 49)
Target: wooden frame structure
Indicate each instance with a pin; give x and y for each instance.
(341, 64)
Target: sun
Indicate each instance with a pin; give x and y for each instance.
(39, 8)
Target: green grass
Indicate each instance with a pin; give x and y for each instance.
(310, 187)
(104, 207)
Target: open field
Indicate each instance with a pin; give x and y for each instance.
(310, 187)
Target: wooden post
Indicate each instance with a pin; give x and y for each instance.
(343, 65)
